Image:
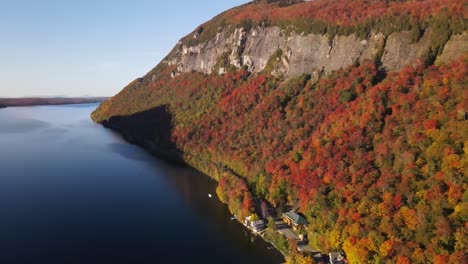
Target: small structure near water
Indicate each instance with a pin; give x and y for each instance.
(258, 225)
(295, 220)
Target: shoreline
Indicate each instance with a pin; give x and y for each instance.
(264, 239)
(183, 159)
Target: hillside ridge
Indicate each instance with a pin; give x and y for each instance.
(359, 123)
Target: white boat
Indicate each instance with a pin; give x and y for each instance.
(209, 195)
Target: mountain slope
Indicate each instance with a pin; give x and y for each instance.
(333, 107)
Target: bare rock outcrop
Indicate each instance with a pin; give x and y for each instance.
(252, 49)
(456, 45)
(400, 51)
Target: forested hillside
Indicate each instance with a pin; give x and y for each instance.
(376, 159)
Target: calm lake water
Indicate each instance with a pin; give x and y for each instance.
(72, 191)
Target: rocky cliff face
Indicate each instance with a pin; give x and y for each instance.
(456, 46)
(290, 46)
(301, 53)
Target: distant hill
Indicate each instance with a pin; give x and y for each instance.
(31, 101)
(354, 112)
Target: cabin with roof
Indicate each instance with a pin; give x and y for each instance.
(295, 220)
(258, 225)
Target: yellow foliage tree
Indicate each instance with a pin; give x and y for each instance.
(387, 248)
(355, 249)
(299, 259)
(409, 216)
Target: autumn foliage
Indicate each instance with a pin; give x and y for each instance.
(343, 12)
(234, 192)
(375, 160)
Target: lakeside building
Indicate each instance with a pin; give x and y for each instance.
(295, 220)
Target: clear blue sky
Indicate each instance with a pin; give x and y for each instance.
(90, 47)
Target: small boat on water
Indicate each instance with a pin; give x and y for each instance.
(209, 195)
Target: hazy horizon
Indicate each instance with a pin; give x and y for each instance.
(52, 96)
(86, 48)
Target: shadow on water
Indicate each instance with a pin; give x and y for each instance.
(128, 151)
(85, 196)
(153, 125)
(193, 187)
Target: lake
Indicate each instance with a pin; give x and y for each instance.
(72, 191)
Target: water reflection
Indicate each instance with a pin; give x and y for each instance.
(74, 192)
(128, 151)
(54, 131)
(22, 125)
(194, 188)
(85, 123)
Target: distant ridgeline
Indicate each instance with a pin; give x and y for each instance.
(5, 102)
(352, 111)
